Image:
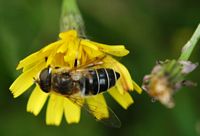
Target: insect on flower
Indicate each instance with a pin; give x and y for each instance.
(80, 82)
(85, 79)
(79, 57)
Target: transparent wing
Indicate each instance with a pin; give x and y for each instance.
(99, 111)
(90, 63)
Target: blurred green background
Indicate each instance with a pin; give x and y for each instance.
(152, 30)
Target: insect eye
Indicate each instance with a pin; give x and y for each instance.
(45, 79)
(44, 74)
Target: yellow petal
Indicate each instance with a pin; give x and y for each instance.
(137, 88)
(63, 48)
(98, 106)
(72, 53)
(68, 34)
(52, 46)
(58, 60)
(125, 82)
(37, 56)
(89, 44)
(55, 110)
(125, 76)
(120, 87)
(28, 60)
(36, 101)
(116, 50)
(80, 50)
(30, 66)
(25, 80)
(83, 56)
(52, 55)
(72, 111)
(125, 100)
(91, 53)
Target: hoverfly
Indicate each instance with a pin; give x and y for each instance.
(81, 82)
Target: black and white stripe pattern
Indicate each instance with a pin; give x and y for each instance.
(100, 80)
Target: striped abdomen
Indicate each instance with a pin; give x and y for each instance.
(99, 80)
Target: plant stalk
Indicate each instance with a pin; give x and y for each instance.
(71, 18)
(189, 46)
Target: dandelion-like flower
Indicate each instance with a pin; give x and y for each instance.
(64, 53)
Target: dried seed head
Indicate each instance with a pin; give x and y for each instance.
(166, 78)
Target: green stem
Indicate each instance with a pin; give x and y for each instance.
(189, 46)
(71, 17)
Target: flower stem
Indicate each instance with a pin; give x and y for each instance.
(189, 46)
(71, 17)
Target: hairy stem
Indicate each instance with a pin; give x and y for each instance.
(71, 17)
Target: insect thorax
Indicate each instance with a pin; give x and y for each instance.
(62, 83)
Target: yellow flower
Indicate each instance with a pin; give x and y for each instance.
(63, 53)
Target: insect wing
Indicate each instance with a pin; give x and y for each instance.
(103, 113)
(99, 111)
(98, 60)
